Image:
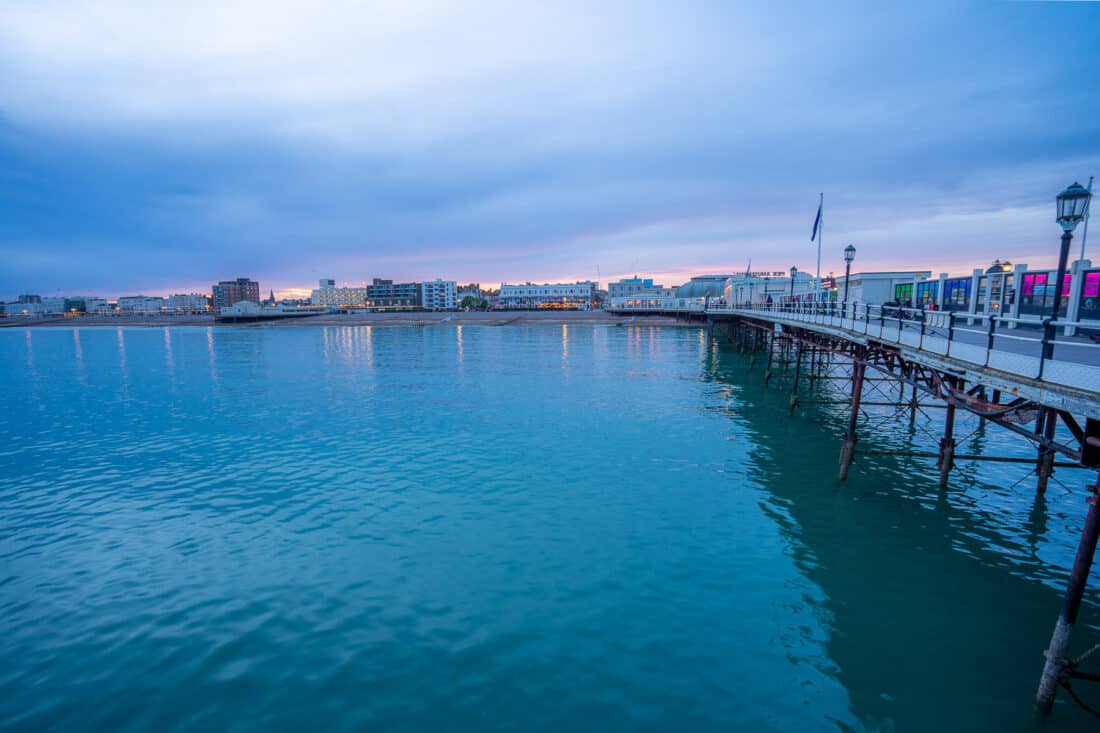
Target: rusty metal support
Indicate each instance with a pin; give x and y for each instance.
(914, 403)
(769, 340)
(1045, 467)
(1056, 654)
(797, 373)
(848, 447)
(947, 444)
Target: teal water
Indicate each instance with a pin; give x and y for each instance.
(478, 529)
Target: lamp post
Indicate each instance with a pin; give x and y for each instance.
(794, 271)
(849, 256)
(1072, 204)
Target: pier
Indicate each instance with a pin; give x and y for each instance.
(1014, 376)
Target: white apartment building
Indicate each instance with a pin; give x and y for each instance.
(438, 295)
(97, 305)
(53, 305)
(187, 303)
(634, 285)
(579, 295)
(23, 309)
(330, 295)
(140, 304)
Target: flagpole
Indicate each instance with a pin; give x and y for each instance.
(1088, 211)
(820, 229)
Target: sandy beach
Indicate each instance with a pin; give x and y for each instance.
(461, 318)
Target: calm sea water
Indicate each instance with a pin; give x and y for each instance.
(477, 529)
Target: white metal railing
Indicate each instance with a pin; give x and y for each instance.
(974, 338)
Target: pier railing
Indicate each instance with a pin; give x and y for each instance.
(1021, 347)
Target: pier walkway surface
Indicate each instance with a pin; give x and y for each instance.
(1023, 357)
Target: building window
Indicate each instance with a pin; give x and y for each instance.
(926, 292)
(1037, 292)
(1090, 297)
(956, 293)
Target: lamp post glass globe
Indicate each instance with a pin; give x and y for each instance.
(1072, 205)
(849, 254)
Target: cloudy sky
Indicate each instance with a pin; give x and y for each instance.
(155, 149)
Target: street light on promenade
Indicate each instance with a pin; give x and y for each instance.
(794, 271)
(849, 256)
(1072, 204)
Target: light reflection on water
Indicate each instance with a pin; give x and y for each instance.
(489, 528)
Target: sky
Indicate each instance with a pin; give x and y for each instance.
(160, 147)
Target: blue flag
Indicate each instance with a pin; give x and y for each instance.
(817, 223)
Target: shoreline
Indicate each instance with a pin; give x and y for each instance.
(406, 319)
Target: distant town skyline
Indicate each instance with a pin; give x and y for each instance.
(302, 289)
(162, 149)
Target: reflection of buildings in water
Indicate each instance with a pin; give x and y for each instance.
(211, 356)
(78, 354)
(124, 374)
(169, 358)
(348, 343)
(120, 339)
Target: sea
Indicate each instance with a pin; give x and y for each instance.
(513, 528)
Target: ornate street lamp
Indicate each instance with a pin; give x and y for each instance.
(1072, 205)
(849, 255)
(794, 271)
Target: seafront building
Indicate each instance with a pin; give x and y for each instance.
(572, 296)
(330, 296)
(388, 294)
(439, 295)
(80, 305)
(228, 292)
(98, 306)
(879, 287)
(473, 291)
(140, 304)
(761, 287)
(636, 285)
(187, 303)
